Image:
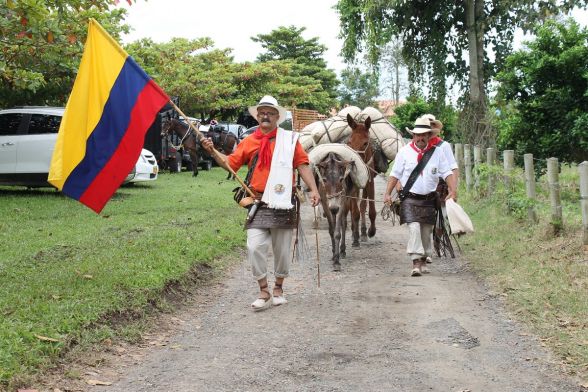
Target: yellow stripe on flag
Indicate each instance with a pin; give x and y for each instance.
(101, 64)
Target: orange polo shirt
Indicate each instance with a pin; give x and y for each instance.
(245, 151)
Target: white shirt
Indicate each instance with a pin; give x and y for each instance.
(446, 149)
(406, 161)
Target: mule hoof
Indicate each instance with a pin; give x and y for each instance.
(372, 232)
(342, 255)
(337, 267)
(363, 238)
(355, 244)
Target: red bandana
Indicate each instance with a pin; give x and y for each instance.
(419, 151)
(435, 140)
(265, 153)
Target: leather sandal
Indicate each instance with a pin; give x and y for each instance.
(262, 303)
(279, 299)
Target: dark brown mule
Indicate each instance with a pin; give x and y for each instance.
(188, 140)
(224, 141)
(334, 185)
(360, 142)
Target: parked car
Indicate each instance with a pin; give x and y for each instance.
(145, 169)
(27, 139)
(235, 129)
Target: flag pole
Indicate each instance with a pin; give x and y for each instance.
(214, 151)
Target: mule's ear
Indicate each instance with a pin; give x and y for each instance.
(351, 121)
(368, 122)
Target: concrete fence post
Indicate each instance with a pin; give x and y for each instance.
(459, 157)
(477, 161)
(530, 185)
(467, 157)
(554, 193)
(490, 161)
(508, 161)
(583, 169)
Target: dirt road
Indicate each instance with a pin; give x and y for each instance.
(371, 327)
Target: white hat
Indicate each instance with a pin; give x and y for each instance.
(421, 125)
(436, 125)
(269, 102)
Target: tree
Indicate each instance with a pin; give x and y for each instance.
(406, 114)
(543, 95)
(208, 81)
(443, 39)
(358, 88)
(41, 45)
(307, 62)
(392, 62)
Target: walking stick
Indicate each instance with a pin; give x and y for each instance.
(215, 152)
(318, 262)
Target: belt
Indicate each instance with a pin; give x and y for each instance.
(429, 196)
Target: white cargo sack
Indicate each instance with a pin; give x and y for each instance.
(360, 174)
(459, 221)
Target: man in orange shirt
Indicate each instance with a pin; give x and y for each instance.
(271, 153)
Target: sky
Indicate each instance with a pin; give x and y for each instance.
(232, 23)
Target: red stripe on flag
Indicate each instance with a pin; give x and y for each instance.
(149, 102)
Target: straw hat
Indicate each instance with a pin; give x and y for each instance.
(436, 125)
(269, 102)
(421, 125)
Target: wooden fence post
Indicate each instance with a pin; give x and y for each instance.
(477, 161)
(508, 158)
(583, 169)
(467, 157)
(459, 157)
(490, 161)
(530, 185)
(554, 196)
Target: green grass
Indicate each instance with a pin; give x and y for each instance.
(544, 277)
(67, 273)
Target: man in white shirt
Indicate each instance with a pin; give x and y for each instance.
(420, 205)
(436, 127)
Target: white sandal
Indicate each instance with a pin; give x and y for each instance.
(262, 303)
(277, 301)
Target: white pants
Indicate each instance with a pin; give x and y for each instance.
(419, 240)
(258, 243)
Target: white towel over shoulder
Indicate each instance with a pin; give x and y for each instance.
(278, 189)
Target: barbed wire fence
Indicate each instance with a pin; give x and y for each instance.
(472, 169)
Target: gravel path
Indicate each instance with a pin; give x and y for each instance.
(371, 327)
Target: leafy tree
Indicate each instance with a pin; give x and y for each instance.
(358, 88)
(443, 39)
(545, 88)
(208, 81)
(307, 64)
(41, 45)
(406, 114)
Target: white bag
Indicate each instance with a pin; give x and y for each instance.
(459, 221)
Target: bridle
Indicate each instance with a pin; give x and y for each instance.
(188, 133)
(322, 182)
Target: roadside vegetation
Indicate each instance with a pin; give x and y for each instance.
(71, 278)
(542, 277)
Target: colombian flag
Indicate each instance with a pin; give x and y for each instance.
(112, 104)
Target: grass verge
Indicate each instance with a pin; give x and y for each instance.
(543, 276)
(68, 275)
